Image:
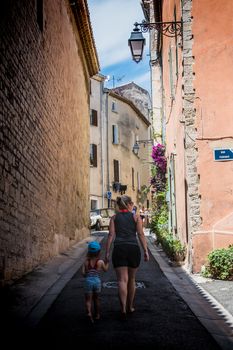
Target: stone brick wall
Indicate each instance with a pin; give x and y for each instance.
(44, 136)
(189, 112)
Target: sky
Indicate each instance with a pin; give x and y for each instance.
(112, 23)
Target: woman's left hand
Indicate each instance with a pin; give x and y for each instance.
(146, 256)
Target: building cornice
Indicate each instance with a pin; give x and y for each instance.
(82, 21)
(99, 77)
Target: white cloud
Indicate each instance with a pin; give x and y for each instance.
(112, 22)
(143, 78)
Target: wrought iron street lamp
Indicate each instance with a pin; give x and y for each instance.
(136, 41)
(136, 146)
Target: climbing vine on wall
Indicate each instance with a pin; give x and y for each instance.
(158, 178)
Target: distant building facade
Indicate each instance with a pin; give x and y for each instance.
(98, 143)
(47, 58)
(115, 169)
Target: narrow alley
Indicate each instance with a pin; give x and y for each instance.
(162, 319)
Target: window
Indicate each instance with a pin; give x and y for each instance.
(138, 182)
(93, 204)
(94, 117)
(176, 45)
(114, 109)
(170, 60)
(93, 155)
(40, 14)
(172, 190)
(133, 187)
(116, 170)
(115, 139)
(90, 88)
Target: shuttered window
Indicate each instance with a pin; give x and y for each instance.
(138, 182)
(115, 139)
(114, 106)
(116, 170)
(170, 60)
(93, 155)
(133, 186)
(94, 117)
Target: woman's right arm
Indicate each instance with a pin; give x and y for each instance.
(111, 236)
(142, 238)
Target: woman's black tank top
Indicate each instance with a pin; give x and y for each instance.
(125, 228)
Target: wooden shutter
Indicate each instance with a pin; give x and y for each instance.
(116, 170)
(133, 186)
(94, 117)
(93, 155)
(115, 134)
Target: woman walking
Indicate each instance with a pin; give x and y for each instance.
(125, 228)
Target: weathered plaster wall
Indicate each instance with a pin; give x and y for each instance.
(213, 51)
(44, 159)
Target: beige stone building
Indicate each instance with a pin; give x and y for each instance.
(98, 144)
(114, 166)
(47, 58)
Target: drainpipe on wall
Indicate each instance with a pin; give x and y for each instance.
(107, 145)
(102, 139)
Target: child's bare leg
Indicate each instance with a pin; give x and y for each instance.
(96, 302)
(88, 302)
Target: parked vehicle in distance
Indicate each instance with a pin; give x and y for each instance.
(95, 219)
(100, 218)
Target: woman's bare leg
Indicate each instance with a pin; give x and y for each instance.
(122, 279)
(131, 288)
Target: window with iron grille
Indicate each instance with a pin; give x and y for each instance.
(94, 117)
(93, 155)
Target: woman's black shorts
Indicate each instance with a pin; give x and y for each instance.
(126, 255)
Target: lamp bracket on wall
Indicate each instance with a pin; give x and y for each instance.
(137, 142)
(170, 29)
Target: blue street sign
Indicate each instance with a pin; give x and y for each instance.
(223, 154)
(109, 194)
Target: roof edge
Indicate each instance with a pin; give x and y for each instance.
(82, 20)
(131, 104)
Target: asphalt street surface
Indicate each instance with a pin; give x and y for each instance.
(162, 320)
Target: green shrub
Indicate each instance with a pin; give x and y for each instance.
(171, 245)
(220, 264)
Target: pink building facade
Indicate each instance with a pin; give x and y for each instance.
(197, 76)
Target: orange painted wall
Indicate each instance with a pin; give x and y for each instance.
(213, 51)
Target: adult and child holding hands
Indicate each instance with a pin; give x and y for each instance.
(126, 234)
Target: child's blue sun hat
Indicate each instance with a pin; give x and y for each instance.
(93, 247)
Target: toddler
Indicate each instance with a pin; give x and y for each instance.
(91, 269)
